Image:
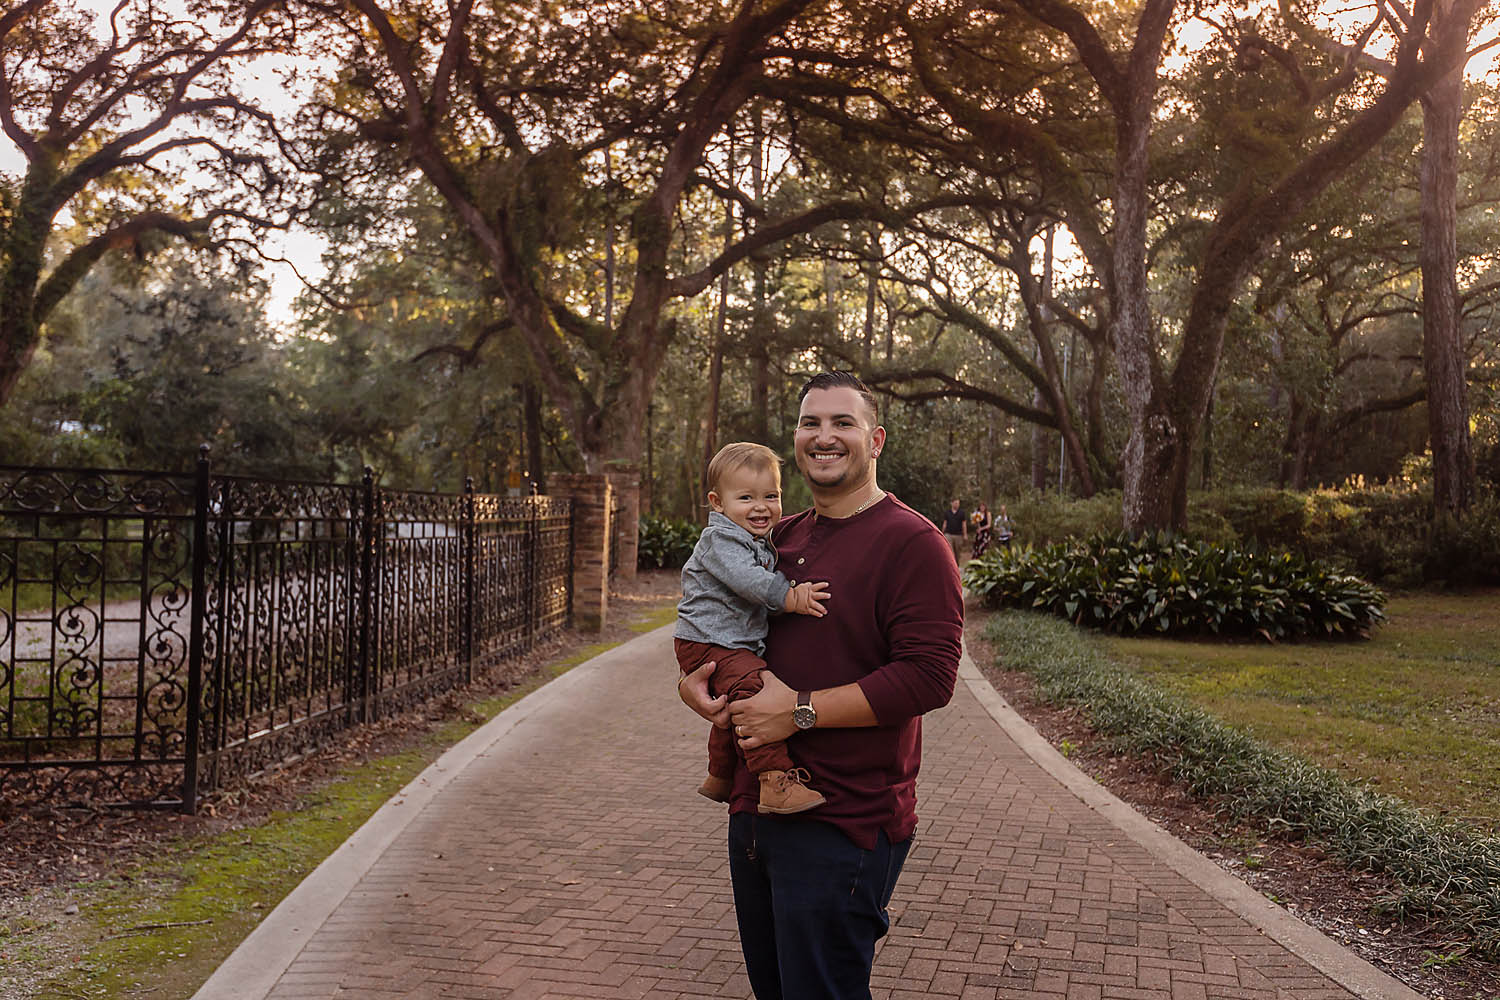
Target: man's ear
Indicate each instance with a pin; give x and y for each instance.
(877, 441)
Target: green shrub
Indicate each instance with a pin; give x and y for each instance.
(1466, 552)
(1041, 518)
(665, 543)
(1166, 585)
(1383, 533)
(1443, 871)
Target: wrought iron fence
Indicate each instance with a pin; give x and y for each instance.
(166, 633)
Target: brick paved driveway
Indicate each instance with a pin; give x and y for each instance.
(561, 852)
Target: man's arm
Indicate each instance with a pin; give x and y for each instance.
(922, 606)
(767, 716)
(924, 615)
(693, 689)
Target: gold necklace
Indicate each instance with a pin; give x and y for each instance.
(879, 494)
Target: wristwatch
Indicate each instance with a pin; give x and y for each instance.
(804, 715)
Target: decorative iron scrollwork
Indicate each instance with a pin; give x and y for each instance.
(322, 606)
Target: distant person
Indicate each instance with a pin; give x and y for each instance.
(956, 530)
(983, 524)
(1005, 528)
(729, 588)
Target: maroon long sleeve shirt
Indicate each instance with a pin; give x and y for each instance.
(894, 626)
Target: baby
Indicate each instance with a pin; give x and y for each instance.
(729, 587)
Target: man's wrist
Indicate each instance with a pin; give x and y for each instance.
(804, 715)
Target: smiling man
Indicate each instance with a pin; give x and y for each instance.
(847, 691)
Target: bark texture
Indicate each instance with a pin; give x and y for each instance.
(1443, 356)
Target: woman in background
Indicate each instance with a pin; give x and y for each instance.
(980, 519)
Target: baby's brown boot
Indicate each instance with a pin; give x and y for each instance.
(783, 792)
(718, 789)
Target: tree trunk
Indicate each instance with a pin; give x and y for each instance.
(1296, 457)
(872, 279)
(760, 314)
(23, 247)
(1039, 445)
(1153, 465)
(760, 372)
(1094, 415)
(532, 402)
(1307, 441)
(716, 362)
(19, 336)
(1207, 476)
(1443, 357)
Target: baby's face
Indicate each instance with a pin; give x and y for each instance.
(750, 498)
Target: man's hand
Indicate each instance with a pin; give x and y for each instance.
(806, 599)
(693, 690)
(764, 717)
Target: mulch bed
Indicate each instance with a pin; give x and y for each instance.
(1300, 876)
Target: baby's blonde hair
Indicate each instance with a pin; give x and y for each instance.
(740, 455)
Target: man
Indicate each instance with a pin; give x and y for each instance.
(847, 691)
(956, 530)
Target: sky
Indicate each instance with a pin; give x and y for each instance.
(300, 246)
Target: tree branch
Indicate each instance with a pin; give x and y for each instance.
(953, 388)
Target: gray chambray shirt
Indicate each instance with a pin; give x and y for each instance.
(729, 588)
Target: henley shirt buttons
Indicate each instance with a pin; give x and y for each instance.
(801, 560)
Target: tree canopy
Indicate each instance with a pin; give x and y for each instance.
(1152, 245)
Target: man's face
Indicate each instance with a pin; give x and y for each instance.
(953, 506)
(837, 441)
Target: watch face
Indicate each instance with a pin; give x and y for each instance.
(804, 717)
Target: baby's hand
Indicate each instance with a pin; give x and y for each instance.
(806, 599)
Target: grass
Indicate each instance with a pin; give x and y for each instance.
(162, 928)
(1414, 711)
(1443, 872)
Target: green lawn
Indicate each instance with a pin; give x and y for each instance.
(1415, 710)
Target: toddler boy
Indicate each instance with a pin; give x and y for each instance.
(729, 588)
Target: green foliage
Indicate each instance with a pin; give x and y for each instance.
(140, 366)
(1466, 551)
(1383, 533)
(1041, 518)
(665, 543)
(1169, 586)
(1444, 873)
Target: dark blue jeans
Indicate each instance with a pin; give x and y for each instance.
(810, 905)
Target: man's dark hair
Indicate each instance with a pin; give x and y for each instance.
(842, 380)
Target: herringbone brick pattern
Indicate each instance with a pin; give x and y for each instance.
(574, 860)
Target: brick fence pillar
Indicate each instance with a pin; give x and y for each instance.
(625, 481)
(591, 501)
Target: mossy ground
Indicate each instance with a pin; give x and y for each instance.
(162, 927)
(1415, 710)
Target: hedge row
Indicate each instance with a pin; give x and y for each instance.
(1384, 534)
(1168, 586)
